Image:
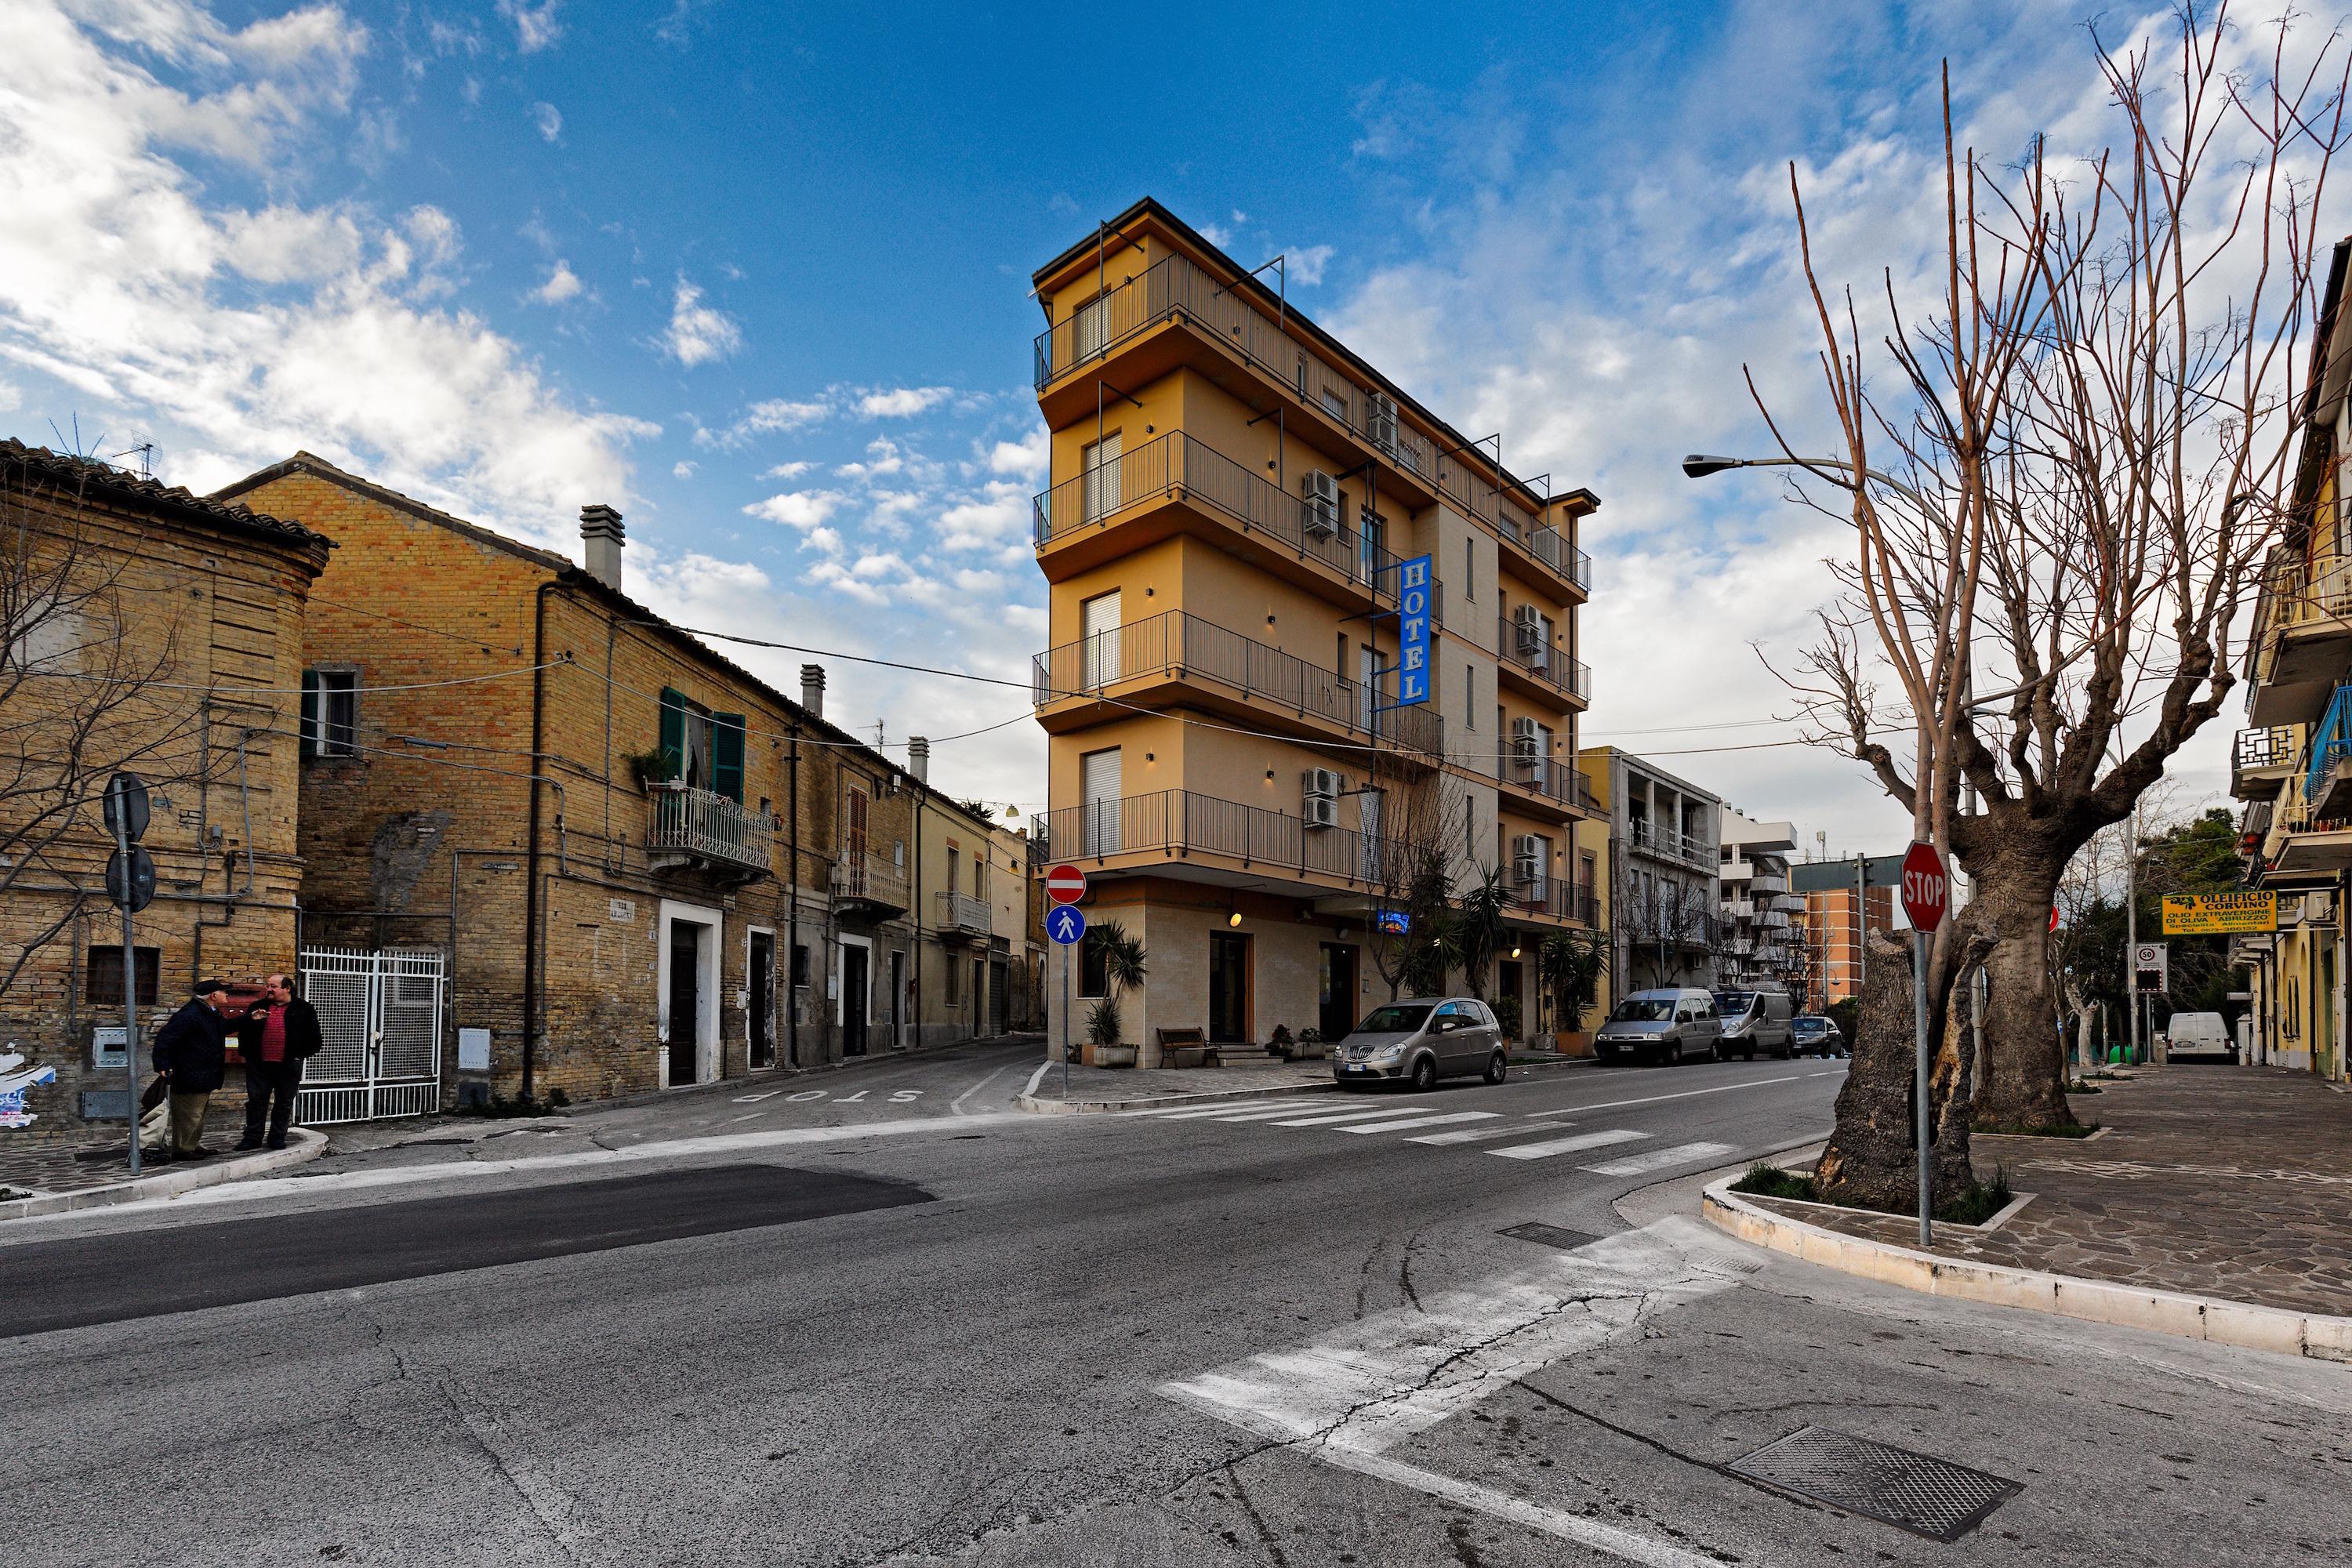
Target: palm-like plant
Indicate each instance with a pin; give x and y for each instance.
(1122, 958)
(1571, 964)
(1480, 929)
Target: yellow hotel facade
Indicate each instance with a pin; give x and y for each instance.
(1233, 498)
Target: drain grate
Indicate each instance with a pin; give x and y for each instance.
(1549, 1234)
(1916, 1492)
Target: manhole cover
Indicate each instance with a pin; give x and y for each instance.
(1549, 1234)
(1916, 1492)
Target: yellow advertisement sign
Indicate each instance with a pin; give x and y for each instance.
(2219, 914)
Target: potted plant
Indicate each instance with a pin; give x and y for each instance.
(1123, 967)
(1310, 1044)
(1571, 964)
(1279, 1043)
(1104, 1049)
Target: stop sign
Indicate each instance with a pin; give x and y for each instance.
(1066, 884)
(1925, 887)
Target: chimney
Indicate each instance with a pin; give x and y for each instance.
(918, 759)
(813, 689)
(600, 538)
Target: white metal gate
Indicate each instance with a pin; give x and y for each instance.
(379, 1024)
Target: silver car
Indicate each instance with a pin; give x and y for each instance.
(1420, 1040)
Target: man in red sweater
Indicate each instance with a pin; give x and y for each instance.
(277, 1037)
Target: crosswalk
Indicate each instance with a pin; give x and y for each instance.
(1485, 1132)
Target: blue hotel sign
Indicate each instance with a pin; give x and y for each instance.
(1413, 631)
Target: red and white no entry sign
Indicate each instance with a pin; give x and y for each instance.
(1926, 888)
(1066, 884)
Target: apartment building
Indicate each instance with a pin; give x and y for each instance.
(1836, 921)
(544, 825)
(1663, 864)
(148, 630)
(1259, 716)
(2292, 764)
(1759, 932)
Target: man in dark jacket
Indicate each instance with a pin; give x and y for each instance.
(277, 1037)
(191, 1054)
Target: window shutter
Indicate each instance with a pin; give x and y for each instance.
(726, 755)
(673, 735)
(309, 713)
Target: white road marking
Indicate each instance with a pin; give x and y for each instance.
(955, 1106)
(1234, 1111)
(1475, 1134)
(1659, 1159)
(1030, 1088)
(1569, 1145)
(1326, 1119)
(1655, 1099)
(1352, 1395)
(1420, 1121)
(747, 1116)
(750, 1099)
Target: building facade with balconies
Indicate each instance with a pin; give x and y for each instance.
(1760, 937)
(642, 865)
(1233, 497)
(1656, 845)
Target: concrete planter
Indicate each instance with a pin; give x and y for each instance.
(1574, 1042)
(1095, 1055)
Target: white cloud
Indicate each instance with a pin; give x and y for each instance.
(788, 470)
(999, 516)
(683, 468)
(1031, 458)
(536, 26)
(796, 509)
(903, 402)
(562, 284)
(883, 457)
(1306, 264)
(549, 118)
(697, 332)
(246, 334)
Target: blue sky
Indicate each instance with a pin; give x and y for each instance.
(757, 274)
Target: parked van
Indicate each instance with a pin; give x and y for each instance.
(2197, 1037)
(1759, 1022)
(1662, 1026)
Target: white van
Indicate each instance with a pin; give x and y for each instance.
(1758, 1022)
(1661, 1026)
(2195, 1037)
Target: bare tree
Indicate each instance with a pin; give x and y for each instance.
(1662, 919)
(2060, 492)
(1415, 818)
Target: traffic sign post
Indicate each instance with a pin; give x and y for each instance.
(130, 884)
(1066, 884)
(1926, 891)
(1066, 924)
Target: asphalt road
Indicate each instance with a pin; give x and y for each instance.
(835, 1335)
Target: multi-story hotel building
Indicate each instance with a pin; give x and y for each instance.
(1235, 499)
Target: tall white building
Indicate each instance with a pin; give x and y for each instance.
(1762, 920)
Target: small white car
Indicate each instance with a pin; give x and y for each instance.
(1420, 1040)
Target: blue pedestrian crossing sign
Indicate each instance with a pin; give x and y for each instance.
(1065, 924)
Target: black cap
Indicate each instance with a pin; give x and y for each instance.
(207, 987)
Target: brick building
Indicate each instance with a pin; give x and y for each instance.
(147, 629)
(635, 864)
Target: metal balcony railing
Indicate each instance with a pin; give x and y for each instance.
(2271, 748)
(1187, 822)
(1669, 843)
(867, 877)
(1768, 882)
(697, 824)
(1179, 643)
(1556, 898)
(960, 912)
(1180, 462)
(1175, 288)
(1548, 777)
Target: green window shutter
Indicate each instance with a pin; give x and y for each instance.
(673, 735)
(309, 713)
(726, 755)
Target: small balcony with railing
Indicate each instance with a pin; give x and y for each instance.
(1188, 835)
(1551, 785)
(2260, 760)
(960, 916)
(701, 830)
(1179, 656)
(1555, 899)
(1670, 844)
(2301, 639)
(1177, 313)
(1534, 667)
(866, 886)
(2311, 828)
(1472, 491)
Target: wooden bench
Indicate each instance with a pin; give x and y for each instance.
(1187, 1048)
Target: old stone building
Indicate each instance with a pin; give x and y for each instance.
(147, 630)
(630, 863)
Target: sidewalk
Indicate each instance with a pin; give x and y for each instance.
(2224, 1185)
(93, 1168)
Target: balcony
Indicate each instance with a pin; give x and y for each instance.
(1176, 294)
(1547, 783)
(1141, 663)
(2301, 639)
(960, 915)
(1555, 897)
(1768, 882)
(1203, 483)
(1472, 492)
(1668, 844)
(696, 827)
(866, 886)
(2260, 760)
(1216, 836)
(1538, 670)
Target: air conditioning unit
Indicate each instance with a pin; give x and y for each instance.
(1321, 810)
(1528, 861)
(1526, 621)
(1526, 743)
(1323, 783)
(1381, 423)
(1319, 512)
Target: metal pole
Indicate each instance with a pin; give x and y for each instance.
(1066, 1020)
(130, 976)
(2131, 926)
(1919, 1034)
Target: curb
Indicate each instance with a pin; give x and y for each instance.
(308, 1146)
(2275, 1329)
(1152, 1101)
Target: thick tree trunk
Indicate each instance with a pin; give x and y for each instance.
(2022, 1080)
(1873, 1157)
